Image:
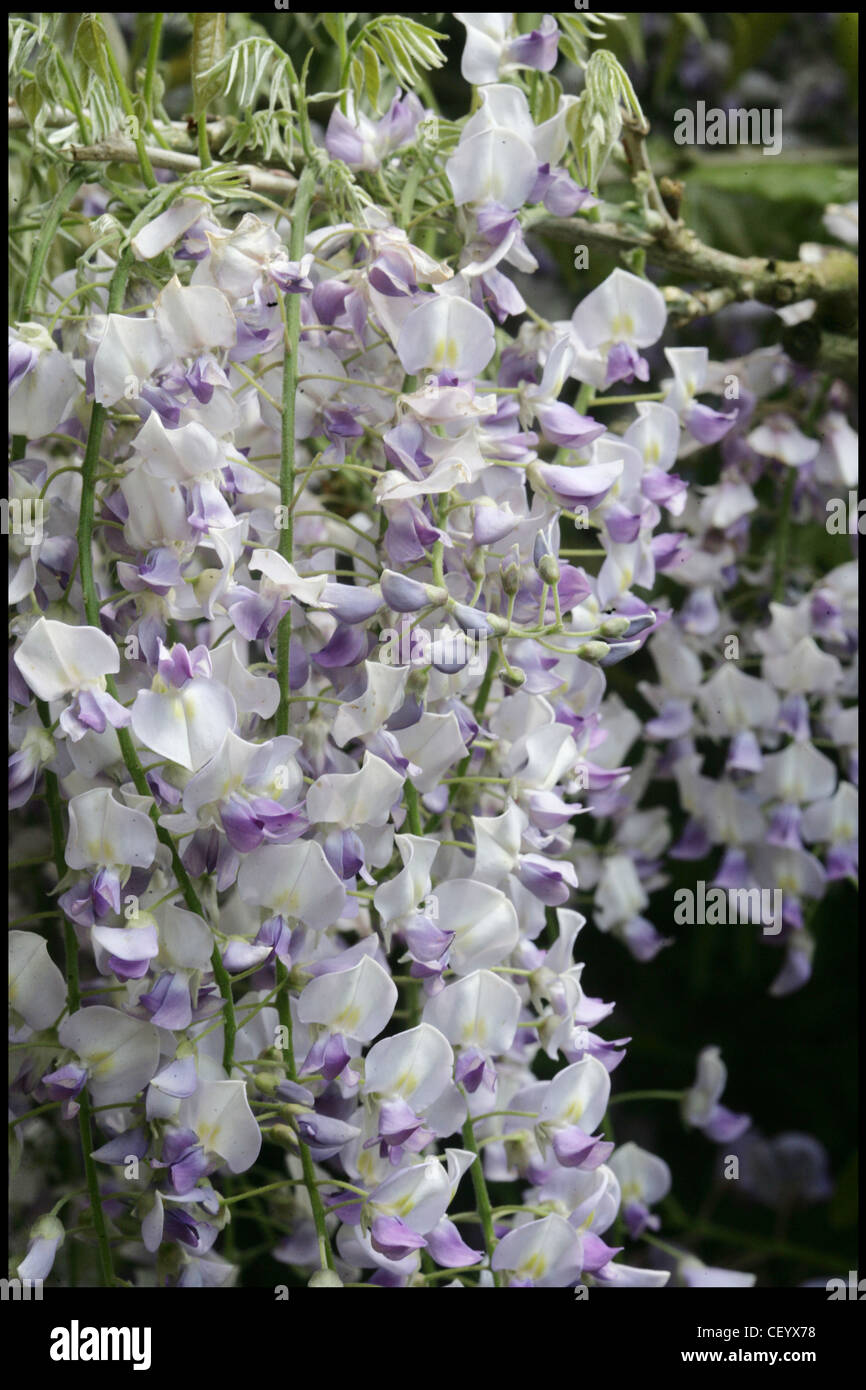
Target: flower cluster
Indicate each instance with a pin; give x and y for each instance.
(315, 679)
(755, 670)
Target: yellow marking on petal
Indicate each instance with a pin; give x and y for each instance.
(349, 1019)
(100, 1064)
(207, 1135)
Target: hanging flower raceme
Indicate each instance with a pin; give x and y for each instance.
(313, 665)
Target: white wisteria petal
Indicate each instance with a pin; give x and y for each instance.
(37, 989)
(495, 165)
(164, 230)
(623, 308)
(710, 1082)
(497, 844)
(285, 578)
(185, 939)
(102, 832)
(800, 773)
(194, 318)
(44, 397)
(642, 1175)
(655, 434)
(219, 1113)
(349, 799)
(402, 893)
(129, 353)
(484, 922)
(481, 1009)
(578, 1095)
(295, 880)
(415, 1065)
(367, 713)
(157, 512)
(805, 670)
(731, 701)
(446, 334)
(121, 1053)
(185, 726)
(547, 1253)
(433, 744)
(448, 474)
(190, 451)
(486, 36)
(357, 1003)
(779, 438)
(56, 659)
(252, 694)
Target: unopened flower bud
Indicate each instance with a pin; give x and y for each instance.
(476, 565)
(268, 1081)
(325, 1279)
(615, 627)
(291, 1108)
(510, 578)
(407, 595)
(513, 676)
(548, 568)
(478, 623)
(593, 651)
(284, 1136)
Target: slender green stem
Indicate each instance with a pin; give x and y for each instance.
(83, 123)
(73, 999)
(409, 193)
(284, 1012)
(482, 1197)
(152, 56)
(135, 125)
(292, 321)
(413, 808)
(494, 1114)
(646, 1095)
(98, 416)
(73, 182)
(342, 45)
(625, 400)
(204, 156)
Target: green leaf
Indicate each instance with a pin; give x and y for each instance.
(372, 75)
(47, 74)
(88, 49)
(30, 99)
(546, 97)
(252, 68)
(208, 48)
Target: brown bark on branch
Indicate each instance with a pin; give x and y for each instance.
(118, 150)
(678, 250)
